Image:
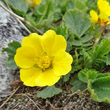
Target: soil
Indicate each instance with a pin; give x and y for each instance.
(25, 99)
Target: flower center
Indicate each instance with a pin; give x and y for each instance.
(44, 62)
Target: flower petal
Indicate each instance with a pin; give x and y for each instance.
(35, 77)
(24, 57)
(94, 16)
(48, 78)
(102, 5)
(53, 43)
(62, 63)
(28, 76)
(36, 2)
(34, 41)
(103, 17)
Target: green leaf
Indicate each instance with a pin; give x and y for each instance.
(70, 5)
(70, 40)
(76, 22)
(62, 30)
(81, 5)
(77, 42)
(11, 51)
(31, 19)
(87, 60)
(48, 92)
(102, 75)
(40, 9)
(66, 77)
(86, 74)
(77, 4)
(11, 63)
(77, 84)
(86, 38)
(92, 74)
(82, 75)
(98, 54)
(12, 48)
(108, 59)
(85, 42)
(51, 12)
(19, 5)
(100, 89)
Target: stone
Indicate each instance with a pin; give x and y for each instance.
(10, 30)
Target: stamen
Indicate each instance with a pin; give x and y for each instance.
(44, 62)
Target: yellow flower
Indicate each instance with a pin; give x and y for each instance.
(43, 59)
(36, 2)
(103, 18)
(33, 2)
(94, 16)
(102, 5)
